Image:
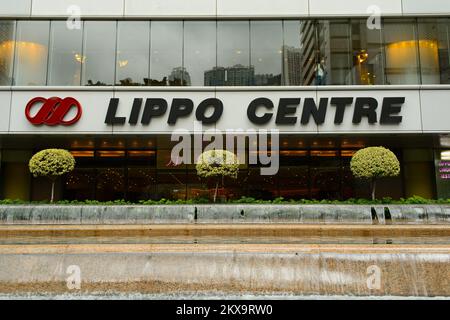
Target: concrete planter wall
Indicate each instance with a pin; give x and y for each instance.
(314, 214)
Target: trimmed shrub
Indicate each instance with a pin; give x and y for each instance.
(51, 163)
(217, 164)
(373, 163)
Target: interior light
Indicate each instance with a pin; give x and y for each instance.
(347, 153)
(80, 58)
(141, 153)
(123, 63)
(362, 56)
(445, 155)
(294, 153)
(111, 154)
(82, 154)
(324, 153)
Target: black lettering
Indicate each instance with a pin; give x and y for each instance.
(251, 111)
(310, 109)
(287, 106)
(180, 108)
(135, 110)
(365, 107)
(391, 106)
(340, 104)
(111, 113)
(153, 108)
(204, 105)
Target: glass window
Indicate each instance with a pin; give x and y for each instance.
(197, 188)
(294, 182)
(80, 184)
(172, 184)
(141, 183)
(325, 175)
(434, 51)
(261, 187)
(298, 50)
(166, 66)
(6, 51)
(65, 57)
(367, 54)
(99, 53)
(31, 53)
(332, 65)
(110, 184)
(233, 58)
(199, 52)
(133, 49)
(401, 52)
(266, 52)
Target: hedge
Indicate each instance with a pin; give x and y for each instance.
(243, 200)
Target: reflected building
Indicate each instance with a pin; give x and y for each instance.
(307, 53)
(267, 80)
(299, 62)
(215, 77)
(237, 75)
(179, 76)
(292, 66)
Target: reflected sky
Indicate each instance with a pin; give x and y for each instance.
(99, 50)
(166, 48)
(197, 53)
(65, 55)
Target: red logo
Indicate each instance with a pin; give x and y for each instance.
(53, 110)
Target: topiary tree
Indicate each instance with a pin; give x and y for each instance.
(217, 164)
(373, 163)
(51, 163)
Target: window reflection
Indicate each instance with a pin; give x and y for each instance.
(133, 49)
(99, 53)
(31, 53)
(434, 51)
(266, 52)
(199, 50)
(233, 56)
(401, 52)
(225, 53)
(6, 52)
(333, 59)
(197, 188)
(172, 184)
(166, 68)
(65, 56)
(367, 54)
(297, 53)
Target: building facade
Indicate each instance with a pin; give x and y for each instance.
(112, 80)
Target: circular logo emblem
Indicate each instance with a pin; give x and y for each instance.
(53, 111)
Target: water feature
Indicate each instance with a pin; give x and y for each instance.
(304, 214)
(249, 251)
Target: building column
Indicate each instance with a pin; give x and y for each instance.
(418, 173)
(16, 178)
